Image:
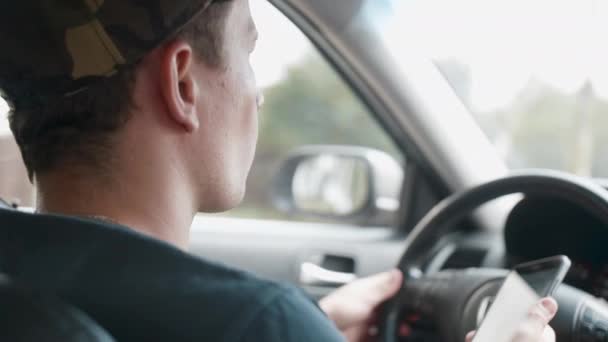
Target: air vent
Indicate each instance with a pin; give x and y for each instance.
(465, 258)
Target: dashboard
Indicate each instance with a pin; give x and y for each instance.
(540, 227)
(590, 278)
(536, 228)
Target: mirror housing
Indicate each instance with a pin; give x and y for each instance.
(353, 184)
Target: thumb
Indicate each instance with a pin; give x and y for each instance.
(384, 285)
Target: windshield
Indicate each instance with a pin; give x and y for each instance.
(533, 73)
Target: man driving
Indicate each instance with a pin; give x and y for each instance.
(133, 116)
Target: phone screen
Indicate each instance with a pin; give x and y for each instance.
(544, 275)
(522, 289)
(510, 307)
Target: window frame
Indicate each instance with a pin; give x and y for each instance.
(422, 187)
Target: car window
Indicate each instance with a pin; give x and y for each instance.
(14, 184)
(306, 103)
(532, 72)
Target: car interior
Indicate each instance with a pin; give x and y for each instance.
(418, 182)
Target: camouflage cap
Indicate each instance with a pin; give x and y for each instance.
(53, 48)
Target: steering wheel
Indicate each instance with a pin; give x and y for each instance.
(452, 299)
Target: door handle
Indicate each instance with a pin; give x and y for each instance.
(314, 275)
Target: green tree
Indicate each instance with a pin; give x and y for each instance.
(312, 105)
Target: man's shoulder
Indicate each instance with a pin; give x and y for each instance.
(218, 303)
(143, 289)
(235, 305)
(289, 316)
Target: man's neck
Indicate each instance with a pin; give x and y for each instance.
(152, 205)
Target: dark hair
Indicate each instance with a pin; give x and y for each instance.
(79, 128)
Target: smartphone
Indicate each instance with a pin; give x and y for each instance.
(501, 316)
(544, 275)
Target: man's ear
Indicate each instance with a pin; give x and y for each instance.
(179, 85)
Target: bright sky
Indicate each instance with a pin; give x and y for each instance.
(280, 43)
(3, 122)
(505, 42)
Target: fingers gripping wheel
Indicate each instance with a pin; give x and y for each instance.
(440, 220)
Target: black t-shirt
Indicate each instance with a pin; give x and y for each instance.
(141, 289)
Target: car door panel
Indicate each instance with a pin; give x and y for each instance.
(278, 250)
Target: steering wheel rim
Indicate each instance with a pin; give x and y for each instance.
(437, 222)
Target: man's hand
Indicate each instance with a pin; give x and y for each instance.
(353, 306)
(536, 327)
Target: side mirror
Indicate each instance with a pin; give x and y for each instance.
(354, 184)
